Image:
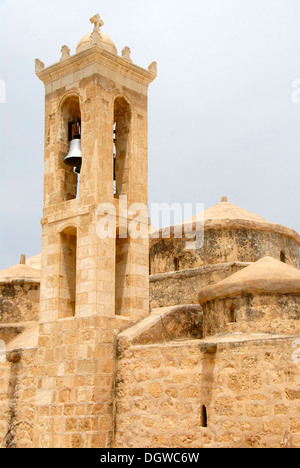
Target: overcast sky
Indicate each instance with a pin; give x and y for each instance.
(221, 116)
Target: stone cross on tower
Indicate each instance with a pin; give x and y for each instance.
(96, 34)
(97, 22)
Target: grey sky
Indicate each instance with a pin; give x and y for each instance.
(221, 117)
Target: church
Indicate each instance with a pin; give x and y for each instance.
(119, 336)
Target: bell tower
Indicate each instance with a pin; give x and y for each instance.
(94, 279)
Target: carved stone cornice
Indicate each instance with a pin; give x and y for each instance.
(97, 56)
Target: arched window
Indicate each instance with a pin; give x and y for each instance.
(121, 131)
(71, 129)
(122, 273)
(67, 286)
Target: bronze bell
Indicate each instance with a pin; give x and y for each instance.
(74, 157)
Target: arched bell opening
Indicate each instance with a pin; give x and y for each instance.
(71, 146)
(67, 275)
(122, 272)
(121, 140)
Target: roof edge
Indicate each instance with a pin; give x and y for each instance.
(265, 286)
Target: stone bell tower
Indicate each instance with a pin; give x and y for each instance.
(94, 264)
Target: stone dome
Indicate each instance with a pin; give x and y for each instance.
(262, 298)
(226, 233)
(25, 271)
(107, 43)
(267, 275)
(20, 273)
(226, 210)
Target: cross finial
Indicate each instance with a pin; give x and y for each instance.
(97, 22)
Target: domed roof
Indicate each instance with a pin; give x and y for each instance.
(106, 42)
(226, 210)
(267, 275)
(20, 273)
(225, 215)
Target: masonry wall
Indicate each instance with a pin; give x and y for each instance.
(4, 401)
(19, 302)
(250, 313)
(187, 283)
(17, 399)
(228, 244)
(75, 374)
(60, 394)
(249, 390)
(56, 395)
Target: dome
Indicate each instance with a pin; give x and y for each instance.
(226, 233)
(261, 298)
(227, 215)
(22, 272)
(267, 275)
(107, 43)
(226, 210)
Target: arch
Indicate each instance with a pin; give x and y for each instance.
(70, 115)
(122, 271)
(70, 227)
(118, 94)
(121, 139)
(67, 95)
(67, 274)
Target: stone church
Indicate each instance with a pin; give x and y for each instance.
(136, 341)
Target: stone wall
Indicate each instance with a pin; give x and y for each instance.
(223, 245)
(4, 401)
(19, 302)
(182, 287)
(231, 392)
(248, 313)
(17, 399)
(75, 371)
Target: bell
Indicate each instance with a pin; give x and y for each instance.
(74, 157)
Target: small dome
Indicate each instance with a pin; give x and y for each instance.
(107, 43)
(20, 273)
(267, 275)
